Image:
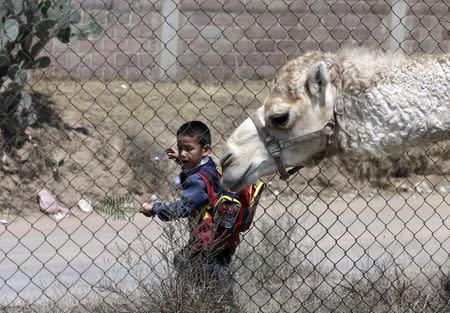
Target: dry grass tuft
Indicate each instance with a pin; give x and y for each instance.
(190, 289)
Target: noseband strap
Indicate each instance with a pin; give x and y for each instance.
(327, 134)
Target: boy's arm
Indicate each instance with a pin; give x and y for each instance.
(194, 197)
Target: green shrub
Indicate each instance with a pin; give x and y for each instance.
(26, 26)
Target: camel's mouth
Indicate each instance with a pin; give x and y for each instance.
(237, 182)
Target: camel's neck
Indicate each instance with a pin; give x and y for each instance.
(409, 106)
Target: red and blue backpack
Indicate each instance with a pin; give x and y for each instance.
(233, 211)
(227, 214)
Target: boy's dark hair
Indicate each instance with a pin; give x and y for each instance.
(197, 129)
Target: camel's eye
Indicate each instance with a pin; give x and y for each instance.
(279, 120)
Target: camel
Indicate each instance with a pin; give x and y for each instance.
(356, 102)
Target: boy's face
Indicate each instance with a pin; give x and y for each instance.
(190, 152)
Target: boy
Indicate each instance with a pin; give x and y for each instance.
(211, 246)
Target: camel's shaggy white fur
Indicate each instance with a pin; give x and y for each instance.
(392, 102)
(403, 102)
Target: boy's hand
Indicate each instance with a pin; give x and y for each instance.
(172, 153)
(147, 209)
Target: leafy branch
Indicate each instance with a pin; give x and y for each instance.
(116, 208)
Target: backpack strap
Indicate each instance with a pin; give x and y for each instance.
(212, 194)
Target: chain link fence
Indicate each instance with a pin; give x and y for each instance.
(340, 237)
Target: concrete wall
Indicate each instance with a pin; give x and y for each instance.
(231, 39)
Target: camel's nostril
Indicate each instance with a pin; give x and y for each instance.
(226, 160)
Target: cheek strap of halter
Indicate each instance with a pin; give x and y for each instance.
(272, 146)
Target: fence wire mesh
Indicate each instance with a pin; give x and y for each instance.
(340, 237)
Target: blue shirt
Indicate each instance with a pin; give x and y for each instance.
(193, 198)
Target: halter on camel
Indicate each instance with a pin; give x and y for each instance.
(327, 134)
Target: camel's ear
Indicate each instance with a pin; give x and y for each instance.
(318, 79)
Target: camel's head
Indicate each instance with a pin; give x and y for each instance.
(300, 102)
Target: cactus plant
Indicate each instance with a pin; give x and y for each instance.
(26, 26)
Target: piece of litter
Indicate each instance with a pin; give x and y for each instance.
(4, 222)
(58, 216)
(444, 189)
(123, 86)
(153, 198)
(423, 187)
(85, 205)
(50, 205)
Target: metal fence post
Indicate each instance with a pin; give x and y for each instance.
(169, 40)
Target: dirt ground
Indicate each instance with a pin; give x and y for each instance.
(103, 136)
